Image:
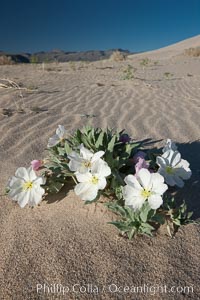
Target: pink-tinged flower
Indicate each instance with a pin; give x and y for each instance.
(138, 155)
(124, 138)
(141, 164)
(36, 164)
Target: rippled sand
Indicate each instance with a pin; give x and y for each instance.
(63, 241)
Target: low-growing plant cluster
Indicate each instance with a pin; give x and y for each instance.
(136, 183)
(118, 56)
(129, 73)
(194, 52)
(145, 62)
(168, 75)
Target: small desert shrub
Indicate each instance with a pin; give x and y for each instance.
(129, 73)
(10, 84)
(6, 60)
(195, 52)
(145, 62)
(34, 59)
(117, 56)
(72, 65)
(168, 75)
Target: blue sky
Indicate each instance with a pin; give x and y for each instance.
(76, 25)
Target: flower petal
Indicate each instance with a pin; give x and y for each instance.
(14, 192)
(35, 196)
(22, 173)
(178, 181)
(60, 131)
(176, 158)
(129, 192)
(161, 162)
(169, 179)
(23, 198)
(158, 185)
(101, 167)
(83, 177)
(15, 182)
(36, 164)
(155, 201)
(86, 191)
(85, 153)
(74, 165)
(32, 174)
(101, 183)
(53, 141)
(40, 180)
(169, 146)
(144, 178)
(97, 155)
(135, 203)
(133, 182)
(141, 164)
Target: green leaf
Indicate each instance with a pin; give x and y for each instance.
(116, 208)
(177, 222)
(99, 141)
(146, 228)
(144, 212)
(61, 151)
(189, 215)
(78, 136)
(131, 233)
(86, 142)
(111, 144)
(55, 187)
(158, 218)
(120, 225)
(68, 149)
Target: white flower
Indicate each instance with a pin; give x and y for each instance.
(145, 187)
(60, 135)
(25, 187)
(169, 146)
(173, 168)
(83, 163)
(91, 182)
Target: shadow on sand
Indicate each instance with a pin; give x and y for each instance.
(191, 191)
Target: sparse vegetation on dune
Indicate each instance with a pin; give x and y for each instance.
(129, 73)
(145, 62)
(168, 75)
(194, 52)
(6, 83)
(6, 60)
(117, 56)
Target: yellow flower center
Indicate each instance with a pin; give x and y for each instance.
(169, 170)
(146, 194)
(27, 185)
(87, 164)
(95, 179)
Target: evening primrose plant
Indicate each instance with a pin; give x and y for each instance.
(135, 184)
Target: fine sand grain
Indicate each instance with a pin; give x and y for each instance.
(64, 242)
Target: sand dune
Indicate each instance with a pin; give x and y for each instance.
(64, 242)
(173, 50)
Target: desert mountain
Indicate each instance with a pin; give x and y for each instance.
(58, 56)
